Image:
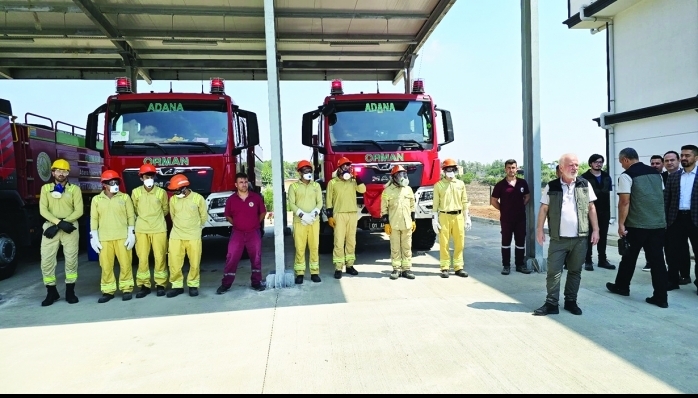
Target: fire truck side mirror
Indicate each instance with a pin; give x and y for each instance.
(447, 126)
(92, 128)
(307, 128)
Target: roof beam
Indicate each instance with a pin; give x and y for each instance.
(195, 52)
(126, 51)
(5, 74)
(250, 12)
(142, 34)
(221, 64)
(439, 11)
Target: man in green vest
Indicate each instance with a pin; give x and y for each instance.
(567, 203)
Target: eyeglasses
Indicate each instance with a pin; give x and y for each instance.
(598, 162)
(112, 182)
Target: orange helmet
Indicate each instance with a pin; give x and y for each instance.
(109, 175)
(147, 168)
(396, 169)
(449, 163)
(302, 164)
(177, 181)
(343, 161)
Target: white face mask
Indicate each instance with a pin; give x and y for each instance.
(113, 188)
(450, 174)
(180, 195)
(346, 176)
(56, 195)
(308, 176)
(148, 182)
(405, 182)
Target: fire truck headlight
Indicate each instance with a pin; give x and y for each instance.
(426, 195)
(218, 202)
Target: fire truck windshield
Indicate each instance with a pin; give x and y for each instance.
(375, 126)
(155, 126)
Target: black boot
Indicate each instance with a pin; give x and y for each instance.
(352, 271)
(175, 292)
(338, 274)
(105, 297)
(160, 291)
(315, 278)
(299, 279)
(143, 292)
(51, 296)
(70, 296)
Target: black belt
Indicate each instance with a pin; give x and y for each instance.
(451, 212)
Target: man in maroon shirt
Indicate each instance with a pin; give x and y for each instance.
(245, 210)
(510, 197)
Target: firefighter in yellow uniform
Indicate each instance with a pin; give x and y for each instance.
(305, 201)
(151, 206)
(397, 209)
(450, 208)
(113, 234)
(189, 213)
(60, 203)
(342, 216)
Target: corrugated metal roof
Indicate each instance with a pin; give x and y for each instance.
(188, 39)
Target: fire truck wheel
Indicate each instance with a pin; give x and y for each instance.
(8, 256)
(423, 238)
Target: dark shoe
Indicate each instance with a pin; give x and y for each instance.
(315, 278)
(105, 297)
(352, 271)
(175, 292)
(589, 266)
(338, 274)
(672, 286)
(605, 264)
(143, 292)
(615, 289)
(444, 273)
(647, 268)
(684, 281)
(222, 289)
(506, 270)
(407, 274)
(70, 296)
(572, 307)
(523, 270)
(260, 287)
(126, 296)
(160, 291)
(461, 273)
(299, 279)
(51, 296)
(546, 309)
(395, 274)
(193, 291)
(660, 304)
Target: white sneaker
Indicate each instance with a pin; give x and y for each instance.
(647, 268)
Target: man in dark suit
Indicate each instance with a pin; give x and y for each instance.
(602, 185)
(681, 207)
(671, 164)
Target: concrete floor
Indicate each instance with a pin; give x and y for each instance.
(362, 334)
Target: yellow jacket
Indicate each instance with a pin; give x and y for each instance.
(306, 197)
(188, 214)
(151, 209)
(341, 195)
(68, 207)
(450, 196)
(111, 217)
(398, 203)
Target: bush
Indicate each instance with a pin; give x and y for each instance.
(268, 195)
(467, 178)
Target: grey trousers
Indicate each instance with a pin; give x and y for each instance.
(570, 251)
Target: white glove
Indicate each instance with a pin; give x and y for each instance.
(307, 218)
(130, 238)
(435, 224)
(94, 241)
(300, 213)
(468, 222)
(315, 212)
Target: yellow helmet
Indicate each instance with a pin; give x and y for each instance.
(61, 164)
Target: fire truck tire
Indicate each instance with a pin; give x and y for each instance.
(8, 256)
(423, 238)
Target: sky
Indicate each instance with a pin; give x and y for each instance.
(471, 66)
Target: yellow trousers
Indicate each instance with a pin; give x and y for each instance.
(344, 240)
(401, 249)
(452, 225)
(158, 242)
(177, 250)
(111, 249)
(306, 236)
(49, 249)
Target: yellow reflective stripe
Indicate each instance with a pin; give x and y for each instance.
(178, 285)
(108, 287)
(396, 262)
(338, 259)
(143, 275)
(49, 279)
(350, 257)
(71, 276)
(161, 274)
(126, 285)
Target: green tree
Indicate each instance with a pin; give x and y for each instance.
(268, 195)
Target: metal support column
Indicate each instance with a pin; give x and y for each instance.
(408, 80)
(531, 128)
(132, 74)
(277, 163)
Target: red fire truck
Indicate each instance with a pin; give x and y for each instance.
(27, 151)
(204, 136)
(376, 132)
